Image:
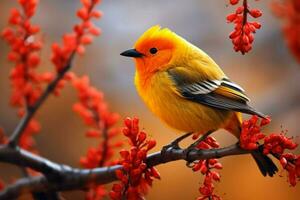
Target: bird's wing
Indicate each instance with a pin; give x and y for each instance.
(222, 94)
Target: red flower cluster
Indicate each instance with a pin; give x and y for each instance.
(289, 11)
(206, 168)
(82, 35)
(291, 163)
(25, 81)
(26, 140)
(251, 132)
(25, 46)
(90, 101)
(94, 112)
(276, 144)
(243, 35)
(135, 176)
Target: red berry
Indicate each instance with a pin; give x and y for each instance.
(231, 17)
(255, 13)
(239, 10)
(233, 2)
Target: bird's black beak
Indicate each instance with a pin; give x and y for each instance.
(132, 53)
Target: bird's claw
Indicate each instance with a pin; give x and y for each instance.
(174, 144)
(194, 147)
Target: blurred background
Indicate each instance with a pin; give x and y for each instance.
(268, 73)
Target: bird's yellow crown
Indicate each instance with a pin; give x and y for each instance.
(157, 33)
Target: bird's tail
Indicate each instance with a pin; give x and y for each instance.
(264, 163)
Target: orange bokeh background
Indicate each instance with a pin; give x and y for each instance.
(269, 74)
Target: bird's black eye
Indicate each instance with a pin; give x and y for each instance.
(153, 50)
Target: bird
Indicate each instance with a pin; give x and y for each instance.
(187, 90)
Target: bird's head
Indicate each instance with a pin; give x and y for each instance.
(154, 50)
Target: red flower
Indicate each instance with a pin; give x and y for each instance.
(76, 41)
(233, 2)
(25, 81)
(251, 132)
(291, 163)
(206, 168)
(94, 112)
(27, 141)
(274, 144)
(82, 35)
(243, 35)
(135, 176)
(289, 11)
(24, 47)
(277, 143)
(24, 43)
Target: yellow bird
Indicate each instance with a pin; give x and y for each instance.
(187, 90)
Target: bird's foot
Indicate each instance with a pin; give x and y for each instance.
(194, 146)
(174, 144)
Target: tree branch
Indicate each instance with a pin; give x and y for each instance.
(61, 177)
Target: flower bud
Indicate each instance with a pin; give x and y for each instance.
(231, 17)
(255, 13)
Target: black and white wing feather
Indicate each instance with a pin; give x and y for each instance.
(221, 94)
